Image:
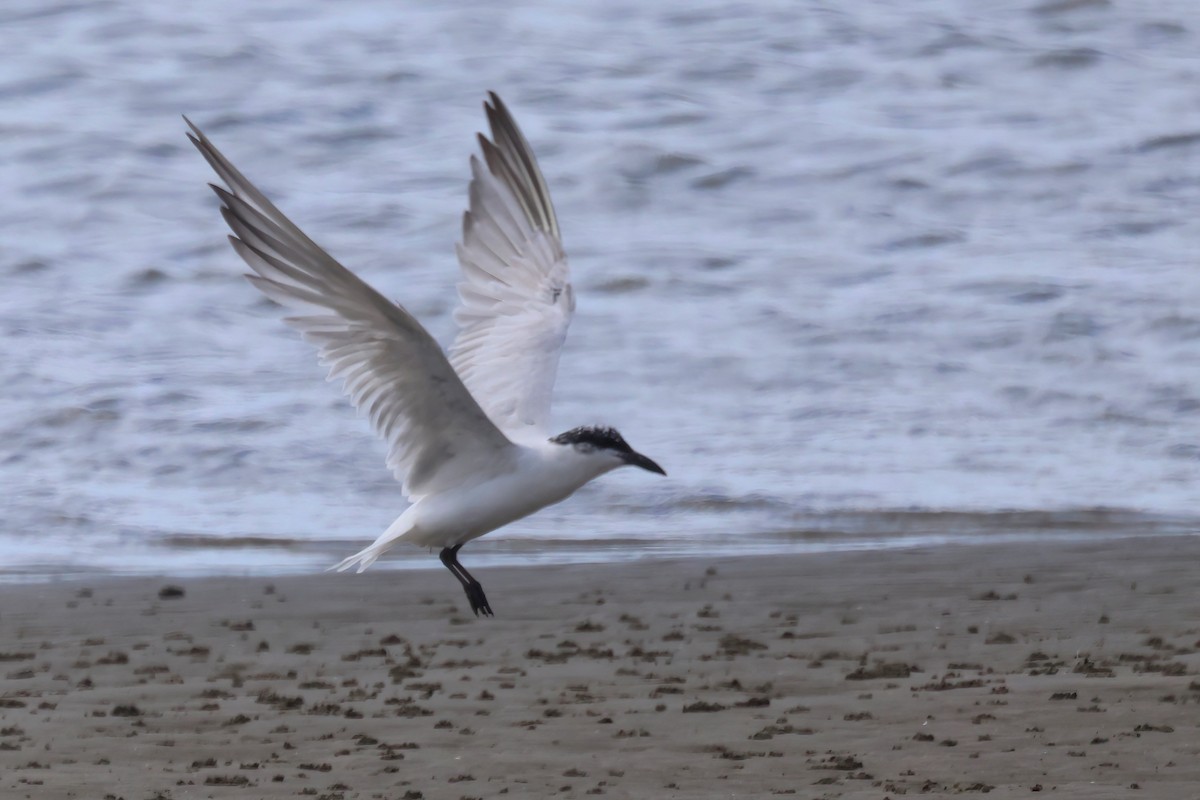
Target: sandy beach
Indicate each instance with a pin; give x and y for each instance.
(1064, 668)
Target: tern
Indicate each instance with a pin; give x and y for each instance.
(466, 432)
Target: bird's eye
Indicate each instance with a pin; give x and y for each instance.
(585, 447)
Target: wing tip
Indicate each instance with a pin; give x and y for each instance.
(508, 149)
(198, 139)
(498, 116)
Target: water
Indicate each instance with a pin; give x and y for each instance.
(856, 275)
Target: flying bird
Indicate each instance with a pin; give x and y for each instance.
(466, 433)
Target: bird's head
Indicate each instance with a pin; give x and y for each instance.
(601, 443)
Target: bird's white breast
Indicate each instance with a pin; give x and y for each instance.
(543, 475)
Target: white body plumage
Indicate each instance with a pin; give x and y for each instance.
(543, 475)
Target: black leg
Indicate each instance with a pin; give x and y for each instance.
(475, 595)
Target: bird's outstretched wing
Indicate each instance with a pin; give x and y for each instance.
(391, 368)
(515, 289)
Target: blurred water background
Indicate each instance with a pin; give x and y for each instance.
(857, 274)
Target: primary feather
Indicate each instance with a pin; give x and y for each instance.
(438, 436)
(516, 296)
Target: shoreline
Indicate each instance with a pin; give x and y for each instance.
(529, 553)
(808, 534)
(1066, 665)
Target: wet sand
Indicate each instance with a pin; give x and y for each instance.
(1068, 668)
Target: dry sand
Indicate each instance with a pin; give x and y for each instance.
(1066, 669)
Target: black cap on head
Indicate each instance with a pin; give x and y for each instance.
(603, 438)
(597, 436)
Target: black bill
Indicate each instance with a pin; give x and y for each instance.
(639, 460)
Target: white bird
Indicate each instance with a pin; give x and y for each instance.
(467, 434)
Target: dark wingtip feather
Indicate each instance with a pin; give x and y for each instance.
(223, 193)
(499, 109)
(195, 130)
(509, 152)
(220, 191)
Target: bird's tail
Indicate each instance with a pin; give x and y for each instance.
(368, 555)
(363, 558)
